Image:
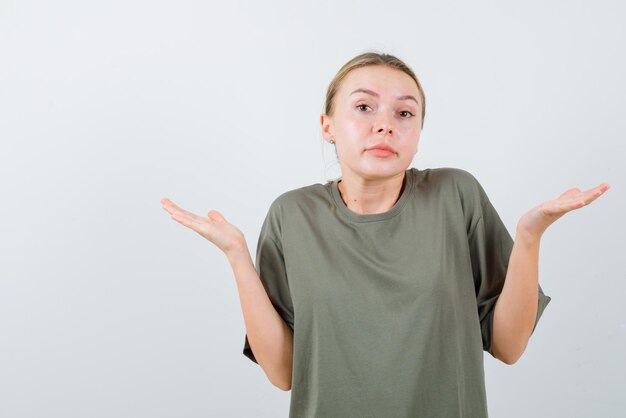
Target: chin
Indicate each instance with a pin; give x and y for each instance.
(389, 170)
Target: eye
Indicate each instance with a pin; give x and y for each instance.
(406, 111)
(361, 105)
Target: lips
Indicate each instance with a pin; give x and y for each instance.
(381, 146)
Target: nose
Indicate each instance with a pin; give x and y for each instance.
(386, 130)
(384, 125)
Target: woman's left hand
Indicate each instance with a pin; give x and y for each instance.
(534, 222)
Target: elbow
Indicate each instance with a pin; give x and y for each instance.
(509, 361)
(509, 351)
(282, 384)
(285, 382)
(281, 378)
(507, 358)
(284, 387)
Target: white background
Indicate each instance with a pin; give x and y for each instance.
(109, 308)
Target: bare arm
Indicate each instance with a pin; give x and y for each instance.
(516, 308)
(269, 336)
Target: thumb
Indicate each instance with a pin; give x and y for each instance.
(570, 192)
(216, 216)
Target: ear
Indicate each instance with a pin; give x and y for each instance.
(327, 127)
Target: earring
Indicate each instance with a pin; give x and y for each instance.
(332, 141)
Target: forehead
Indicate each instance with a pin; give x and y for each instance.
(382, 80)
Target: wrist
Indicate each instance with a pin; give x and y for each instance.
(526, 236)
(238, 255)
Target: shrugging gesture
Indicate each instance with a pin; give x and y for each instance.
(268, 334)
(516, 308)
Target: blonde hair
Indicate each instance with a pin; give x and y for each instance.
(366, 59)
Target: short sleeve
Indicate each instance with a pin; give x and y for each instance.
(490, 248)
(270, 266)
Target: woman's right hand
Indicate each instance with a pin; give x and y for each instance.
(215, 228)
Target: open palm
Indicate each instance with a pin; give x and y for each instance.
(215, 228)
(537, 220)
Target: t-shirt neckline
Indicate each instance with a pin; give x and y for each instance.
(395, 209)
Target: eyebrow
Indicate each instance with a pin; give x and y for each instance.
(373, 93)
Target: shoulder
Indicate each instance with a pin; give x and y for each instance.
(447, 178)
(301, 197)
(452, 185)
(288, 206)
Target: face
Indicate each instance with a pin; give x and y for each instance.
(374, 105)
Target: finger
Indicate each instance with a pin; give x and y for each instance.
(570, 192)
(216, 216)
(576, 193)
(167, 204)
(184, 215)
(570, 200)
(592, 194)
(177, 212)
(603, 187)
(185, 221)
(190, 220)
(170, 207)
(561, 207)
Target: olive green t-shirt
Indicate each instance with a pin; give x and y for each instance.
(391, 311)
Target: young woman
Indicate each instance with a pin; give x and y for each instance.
(375, 295)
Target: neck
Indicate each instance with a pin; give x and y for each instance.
(371, 196)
